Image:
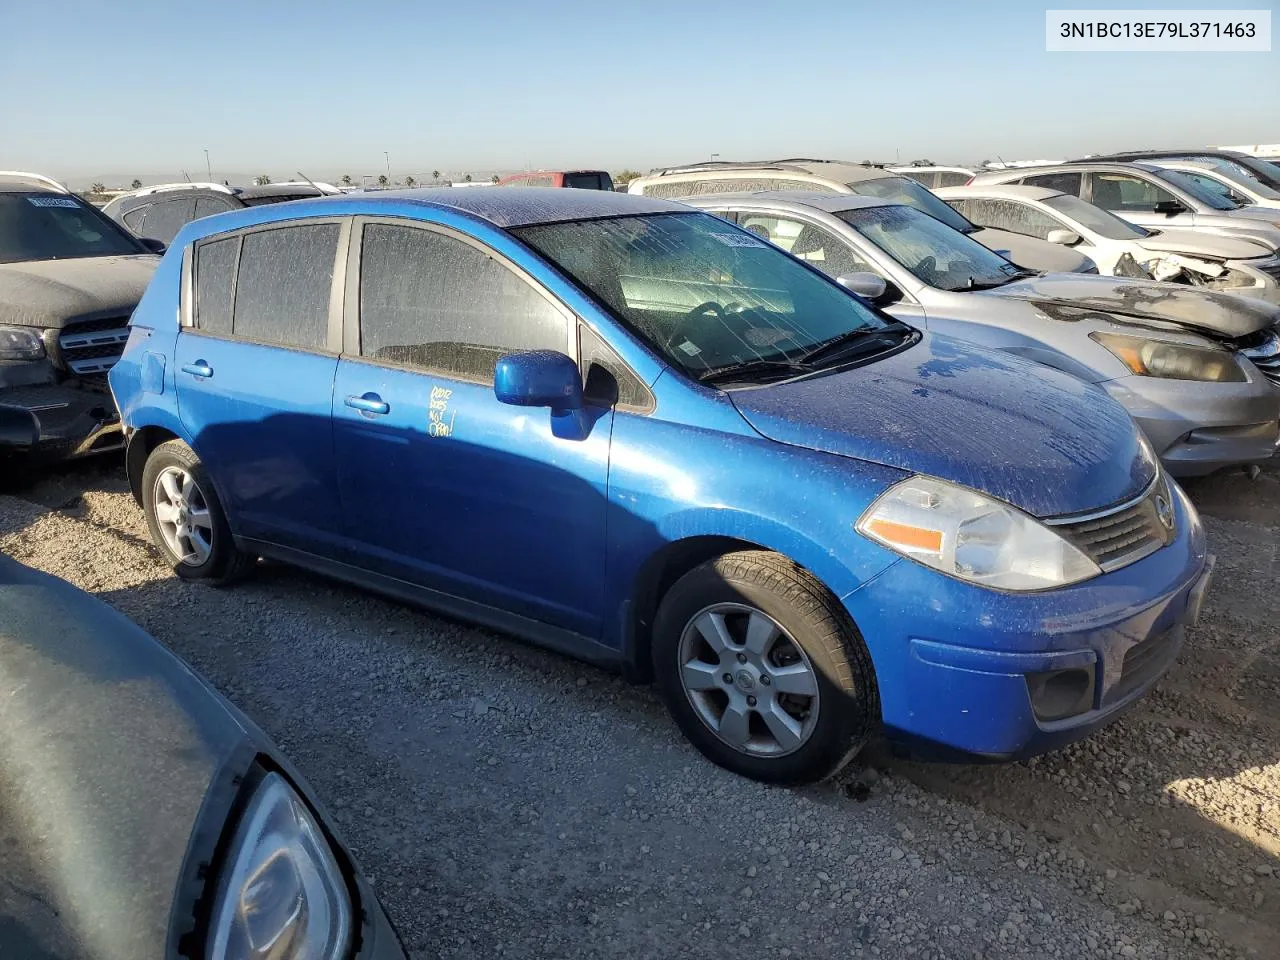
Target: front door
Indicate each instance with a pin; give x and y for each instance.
(254, 378)
(441, 484)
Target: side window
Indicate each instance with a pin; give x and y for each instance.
(1119, 193)
(208, 206)
(807, 242)
(605, 377)
(1012, 216)
(215, 284)
(1062, 182)
(952, 178)
(165, 218)
(432, 301)
(135, 218)
(282, 287)
(922, 177)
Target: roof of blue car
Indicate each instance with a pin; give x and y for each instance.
(519, 206)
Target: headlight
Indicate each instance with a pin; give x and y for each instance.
(967, 535)
(1172, 361)
(281, 895)
(20, 343)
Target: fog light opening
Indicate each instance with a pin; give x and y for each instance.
(1058, 694)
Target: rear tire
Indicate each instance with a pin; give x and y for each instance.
(186, 519)
(763, 669)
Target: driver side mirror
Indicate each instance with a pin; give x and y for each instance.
(1068, 238)
(1169, 208)
(538, 378)
(871, 287)
(155, 246)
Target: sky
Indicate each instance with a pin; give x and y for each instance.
(274, 86)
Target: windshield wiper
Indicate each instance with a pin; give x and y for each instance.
(748, 367)
(976, 284)
(835, 345)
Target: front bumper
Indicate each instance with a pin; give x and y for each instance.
(69, 421)
(955, 662)
(1197, 428)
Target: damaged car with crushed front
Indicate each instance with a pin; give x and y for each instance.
(69, 279)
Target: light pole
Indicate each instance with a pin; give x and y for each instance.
(208, 169)
(715, 157)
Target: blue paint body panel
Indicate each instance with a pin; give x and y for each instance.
(555, 521)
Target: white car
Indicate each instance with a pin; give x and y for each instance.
(1225, 181)
(1119, 248)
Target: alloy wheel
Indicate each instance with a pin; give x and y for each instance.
(182, 514)
(748, 680)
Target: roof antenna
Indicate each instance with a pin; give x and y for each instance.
(187, 176)
(308, 179)
(1002, 163)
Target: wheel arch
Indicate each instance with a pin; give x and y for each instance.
(141, 442)
(660, 571)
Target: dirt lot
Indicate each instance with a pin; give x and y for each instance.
(510, 802)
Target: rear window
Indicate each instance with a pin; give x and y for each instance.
(911, 194)
(589, 181)
(1062, 182)
(282, 288)
(166, 217)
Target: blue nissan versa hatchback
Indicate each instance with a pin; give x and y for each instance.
(638, 434)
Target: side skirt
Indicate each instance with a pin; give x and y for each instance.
(571, 644)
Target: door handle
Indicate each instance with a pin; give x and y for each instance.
(369, 403)
(198, 369)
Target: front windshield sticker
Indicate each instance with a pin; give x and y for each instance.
(689, 348)
(53, 202)
(737, 240)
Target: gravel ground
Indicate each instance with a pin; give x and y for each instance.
(507, 801)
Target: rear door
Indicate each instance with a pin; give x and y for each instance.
(443, 485)
(255, 368)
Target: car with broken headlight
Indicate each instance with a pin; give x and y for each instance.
(69, 278)
(142, 816)
(1120, 248)
(1150, 196)
(1191, 366)
(638, 434)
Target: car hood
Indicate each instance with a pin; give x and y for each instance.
(1215, 314)
(108, 746)
(1253, 212)
(1195, 243)
(51, 293)
(1031, 436)
(1032, 252)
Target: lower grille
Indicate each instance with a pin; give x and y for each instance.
(1263, 351)
(1125, 534)
(93, 346)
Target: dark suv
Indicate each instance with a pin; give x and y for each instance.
(1264, 171)
(69, 279)
(159, 212)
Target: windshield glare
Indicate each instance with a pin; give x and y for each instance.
(1093, 218)
(703, 292)
(933, 252)
(46, 226)
(1187, 185)
(911, 194)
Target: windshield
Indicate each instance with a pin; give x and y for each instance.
(704, 293)
(1187, 185)
(1242, 182)
(1100, 221)
(908, 192)
(47, 226)
(932, 251)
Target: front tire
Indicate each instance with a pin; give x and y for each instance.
(186, 519)
(763, 670)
